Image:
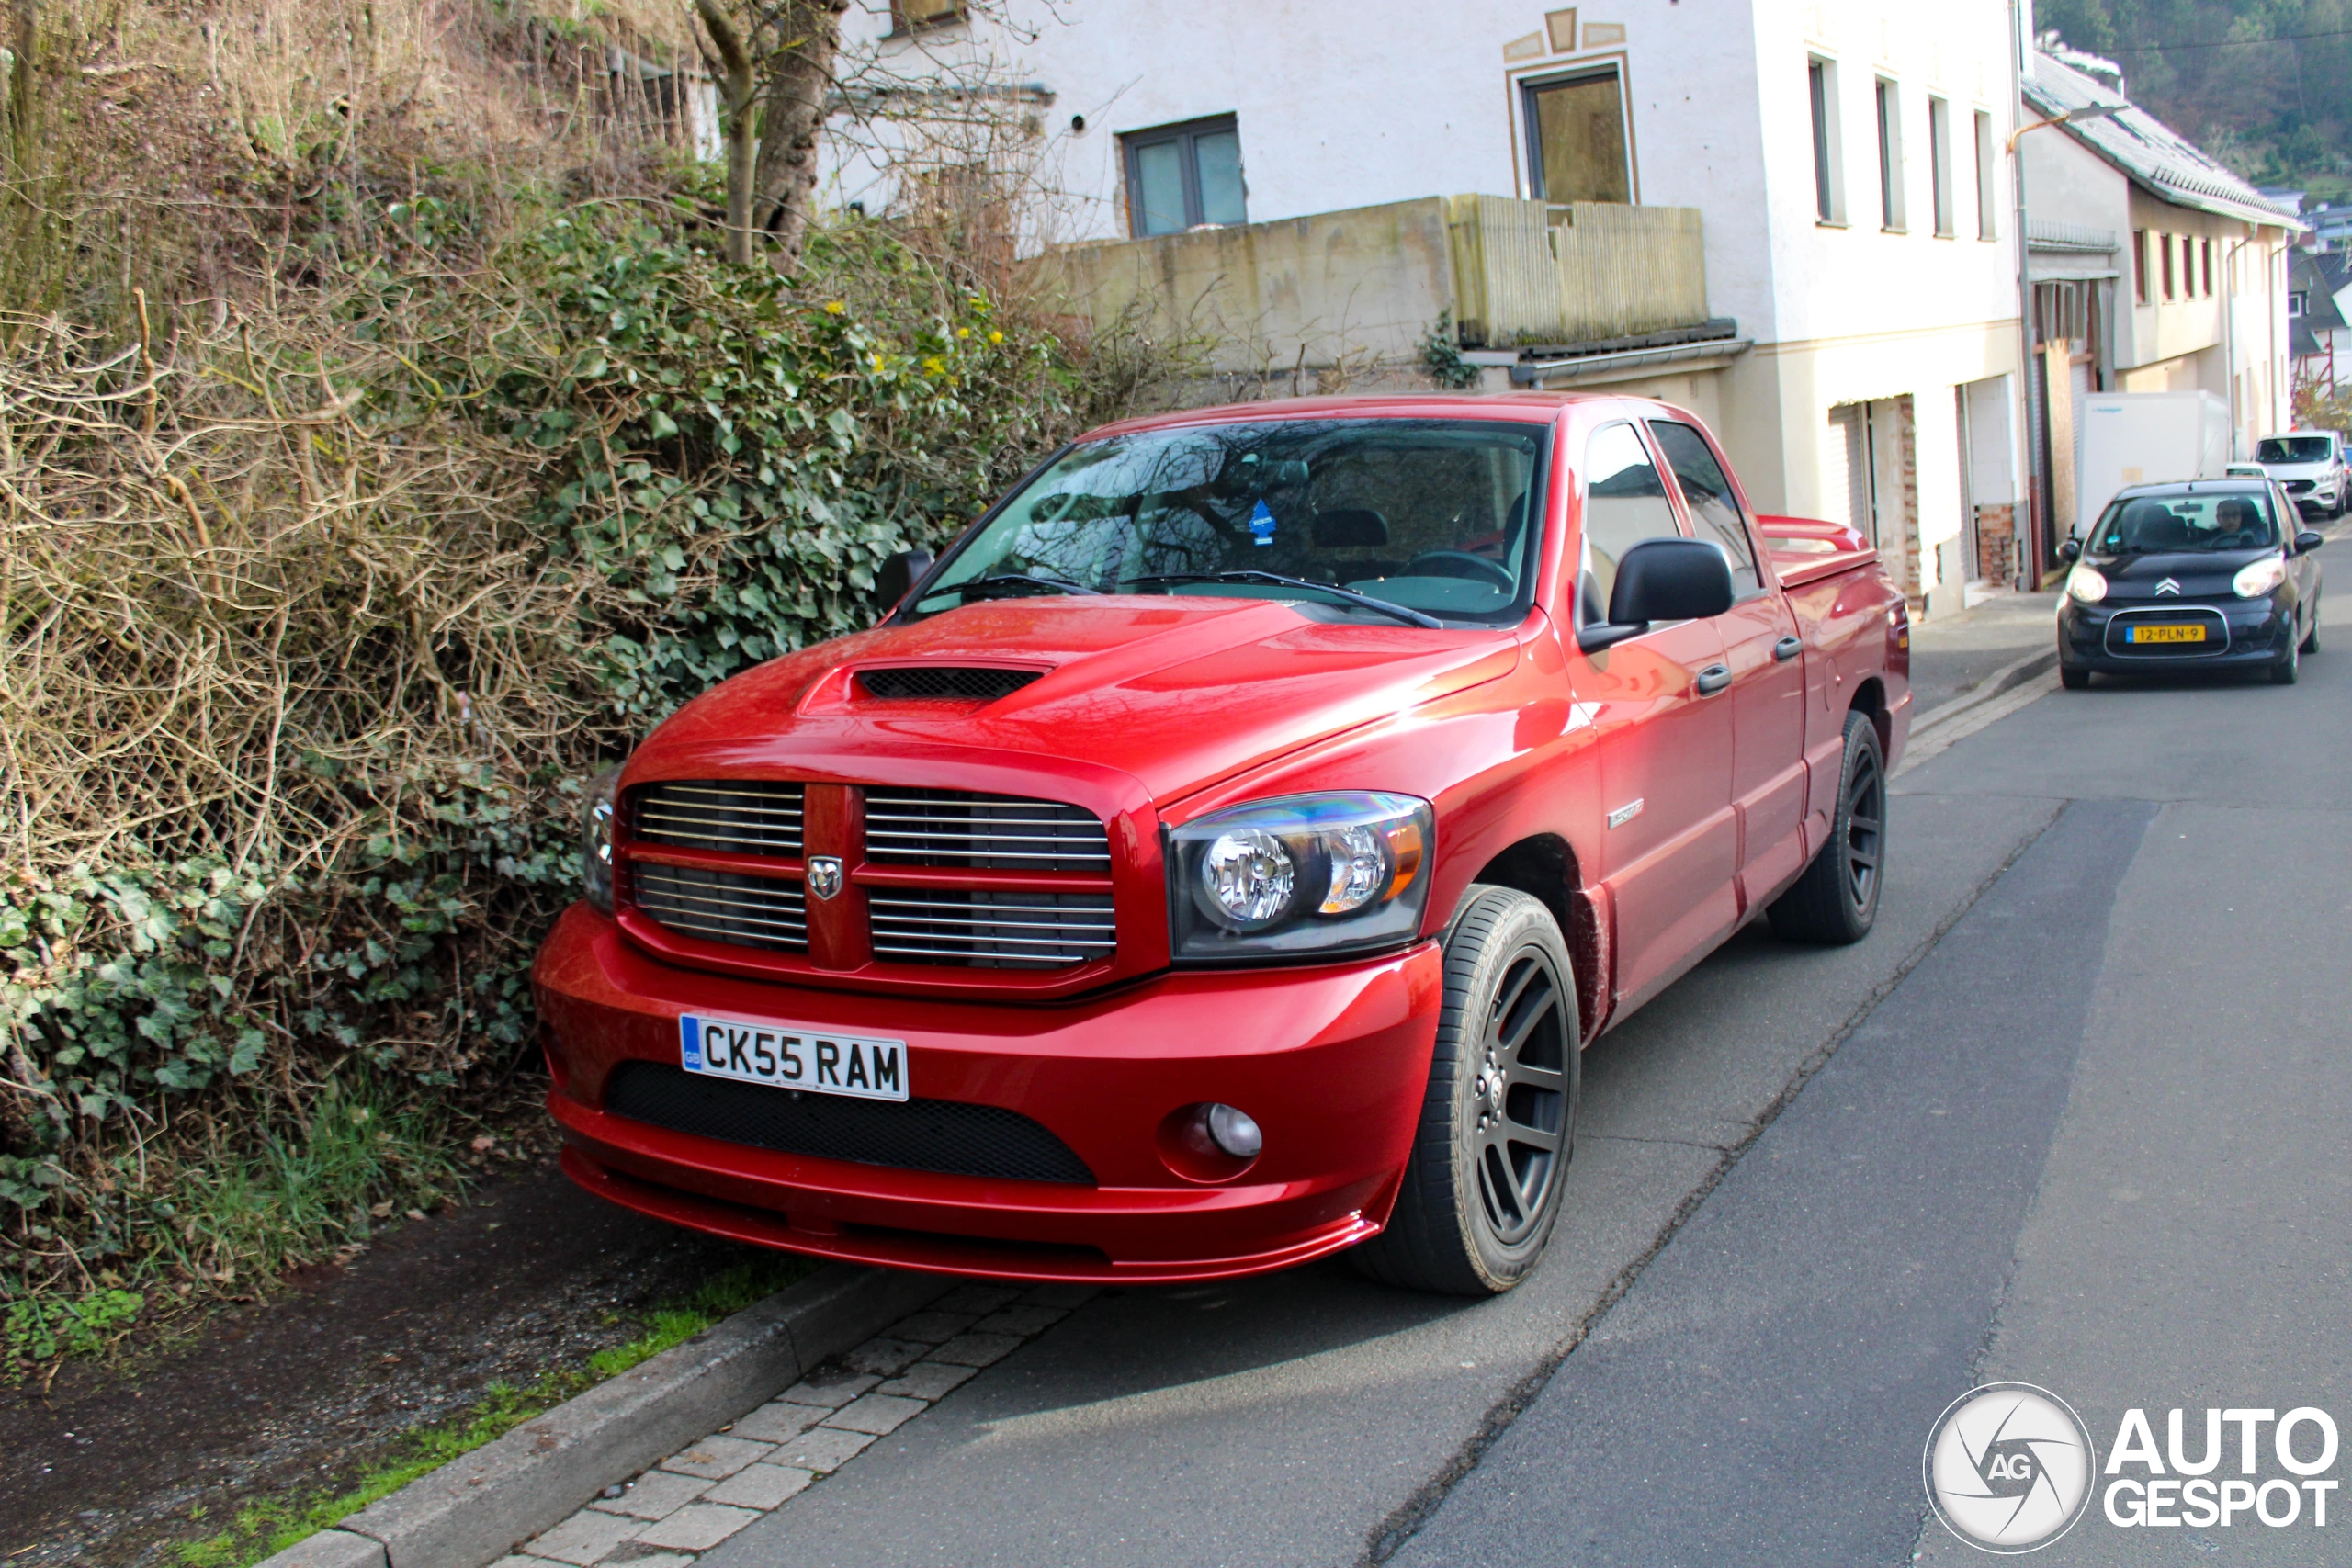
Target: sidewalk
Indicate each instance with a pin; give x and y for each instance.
(1952, 653)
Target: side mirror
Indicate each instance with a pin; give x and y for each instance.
(2309, 540)
(1662, 579)
(899, 576)
(2071, 551)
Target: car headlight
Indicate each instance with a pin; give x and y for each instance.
(596, 832)
(2083, 585)
(2260, 578)
(1299, 877)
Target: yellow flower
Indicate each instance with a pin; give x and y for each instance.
(875, 360)
(834, 306)
(935, 364)
(996, 337)
(963, 332)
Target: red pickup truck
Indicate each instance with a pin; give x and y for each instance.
(1222, 854)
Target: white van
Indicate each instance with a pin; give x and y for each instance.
(2310, 464)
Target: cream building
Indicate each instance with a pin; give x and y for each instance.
(2154, 268)
(1838, 169)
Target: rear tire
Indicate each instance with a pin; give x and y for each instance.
(1836, 899)
(2073, 680)
(1481, 1189)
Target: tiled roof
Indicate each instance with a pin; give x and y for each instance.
(2150, 153)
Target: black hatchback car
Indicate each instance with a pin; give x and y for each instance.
(2207, 574)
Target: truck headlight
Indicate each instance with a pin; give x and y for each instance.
(596, 832)
(1300, 876)
(2259, 577)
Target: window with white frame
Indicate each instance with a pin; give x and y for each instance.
(1889, 156)
(1988, 203)
(1828, 162)
(1939, 165)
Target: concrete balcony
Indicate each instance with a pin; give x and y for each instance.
(1355, 298)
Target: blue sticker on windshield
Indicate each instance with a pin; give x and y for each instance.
(1262, 525)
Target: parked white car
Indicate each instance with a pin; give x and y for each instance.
(2310, 465)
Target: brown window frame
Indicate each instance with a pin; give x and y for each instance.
(901, 24)
(2140, 266)
(2164, 255)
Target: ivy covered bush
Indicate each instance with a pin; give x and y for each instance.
(315, 619)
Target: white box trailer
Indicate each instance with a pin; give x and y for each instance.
(2138, 438)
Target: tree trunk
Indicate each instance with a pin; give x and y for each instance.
(799, 81)
(736, 84)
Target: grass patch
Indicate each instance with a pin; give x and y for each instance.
(270, 1525)
(231, 1214)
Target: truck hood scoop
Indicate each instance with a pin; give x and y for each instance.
(942, 682)
(1174, 691)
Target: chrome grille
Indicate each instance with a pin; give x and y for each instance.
(991, 931)
(744, 817)
(723, 905)
(991, 832)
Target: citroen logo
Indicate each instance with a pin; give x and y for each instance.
(2169, 585)
(824, 875)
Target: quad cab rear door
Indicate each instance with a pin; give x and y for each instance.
(1663, 729)
(1768, 670)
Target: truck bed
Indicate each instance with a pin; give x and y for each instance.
(1806, 550)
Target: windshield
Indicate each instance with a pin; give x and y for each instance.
(2295, 449)
(2152, 525)
(1429, 514)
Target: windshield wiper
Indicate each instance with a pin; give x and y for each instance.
(1348, 596)
(1012, 582)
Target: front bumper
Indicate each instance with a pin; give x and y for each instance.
(1332, 1062)
(2258, 632)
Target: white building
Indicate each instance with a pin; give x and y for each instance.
(2154, 269)
(1846, 159)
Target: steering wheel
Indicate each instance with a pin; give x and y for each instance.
(1493, 572)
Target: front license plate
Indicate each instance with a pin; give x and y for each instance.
(789, 1055)
(2168, 634)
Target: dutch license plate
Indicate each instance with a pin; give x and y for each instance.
(2166, 634)
(790, 1055)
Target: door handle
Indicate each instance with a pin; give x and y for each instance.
(1787, 648)
(1713, 679)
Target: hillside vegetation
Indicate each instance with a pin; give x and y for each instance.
(2266, 85)
(383, 445)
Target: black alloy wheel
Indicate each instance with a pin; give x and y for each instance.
(1521, 1097)
(1481, 1188)
(1835, 899)
(1865, 828)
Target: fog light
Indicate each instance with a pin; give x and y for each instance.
(1235, 1132)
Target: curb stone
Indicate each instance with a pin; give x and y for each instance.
(669, 1516)
(472, 1510)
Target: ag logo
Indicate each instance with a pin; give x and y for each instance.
(2008, 1467)
(824, 875)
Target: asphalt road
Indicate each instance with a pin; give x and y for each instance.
(2073, 1115)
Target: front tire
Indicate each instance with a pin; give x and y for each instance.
(2284, 673)
(1836, 900)
(1481, 1189)
(2311, 636)
(2073, 680)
